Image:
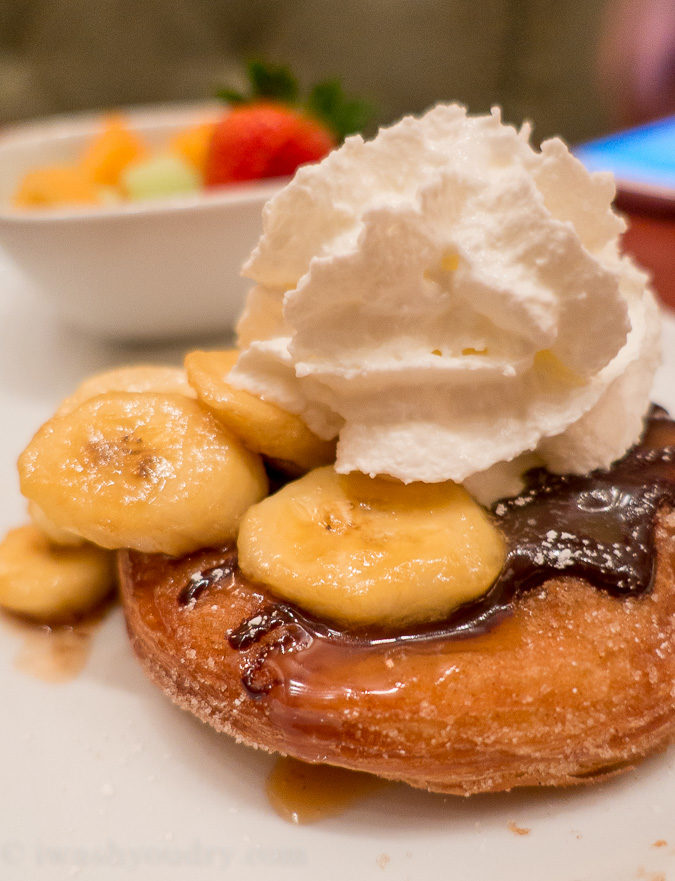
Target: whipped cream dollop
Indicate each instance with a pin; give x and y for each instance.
(453, 304)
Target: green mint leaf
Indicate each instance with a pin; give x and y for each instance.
(341, 114)
(325, 97)
(230, 96)
(272, 81)
(355, 116)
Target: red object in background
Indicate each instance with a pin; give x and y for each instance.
(263, 140)
(650, 238)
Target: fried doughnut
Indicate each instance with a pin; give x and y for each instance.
(571, 686)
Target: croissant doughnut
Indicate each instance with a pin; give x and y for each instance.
(571, 685)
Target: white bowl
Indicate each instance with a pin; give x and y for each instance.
(138, 270)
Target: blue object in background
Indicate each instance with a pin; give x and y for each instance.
(644, 155)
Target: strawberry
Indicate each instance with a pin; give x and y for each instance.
(263, 139)
(267, 133)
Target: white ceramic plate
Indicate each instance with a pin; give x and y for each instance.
(102, 778)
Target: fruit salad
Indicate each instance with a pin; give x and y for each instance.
(265, 133)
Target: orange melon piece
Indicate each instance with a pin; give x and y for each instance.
(52, 185)
(111, 151)
(193, 143)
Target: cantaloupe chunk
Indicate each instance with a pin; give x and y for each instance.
(110, 152)
(193, 143)
(52, 185)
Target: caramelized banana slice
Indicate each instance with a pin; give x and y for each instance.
(56, 534)
(359, 550)
(146, 471)
(49, 582)
(141, 378)
(261, 425)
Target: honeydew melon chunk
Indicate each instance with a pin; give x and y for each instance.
(160, 176)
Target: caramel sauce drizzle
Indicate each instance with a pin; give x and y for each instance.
(53, 653)
(301, 793)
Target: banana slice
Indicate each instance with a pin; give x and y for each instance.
(54, 533)
(261, 425)
(359, 550)
(142, 378)
(49, 582)
(156, 473)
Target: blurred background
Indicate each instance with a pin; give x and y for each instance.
(576, 67)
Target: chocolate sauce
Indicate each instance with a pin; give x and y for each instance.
(201, 581)
(598, 527)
